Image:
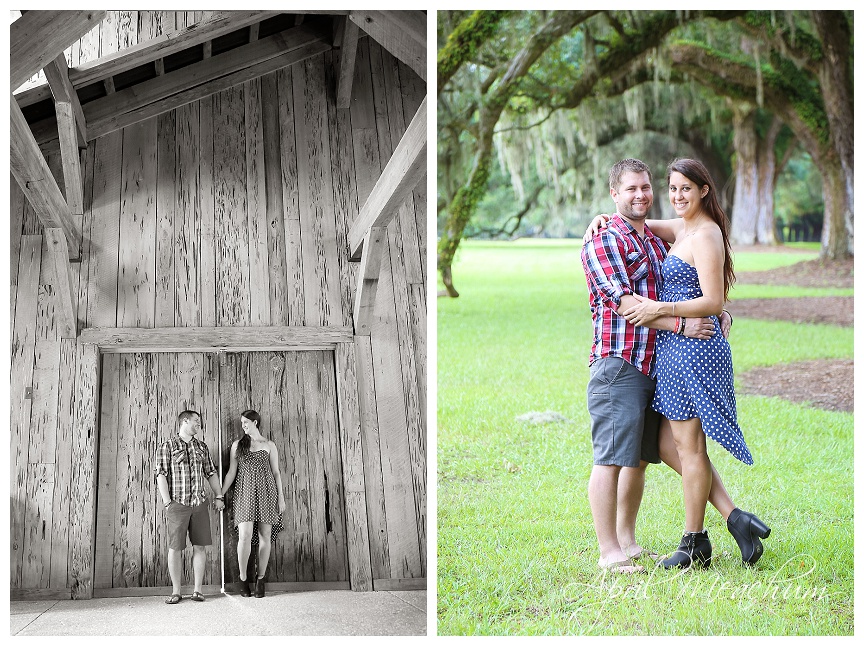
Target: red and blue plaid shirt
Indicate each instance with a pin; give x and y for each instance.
(186, 467)
(618, 262)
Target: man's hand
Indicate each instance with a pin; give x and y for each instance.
(699, 328)
(725, 324)
(219, 504)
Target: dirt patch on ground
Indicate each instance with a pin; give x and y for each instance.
(823, 383)
(831, 310)
(810, 273)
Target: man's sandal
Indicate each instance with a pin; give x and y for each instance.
(651, 554)
(197, 596)
(174, 598)
(623, 567)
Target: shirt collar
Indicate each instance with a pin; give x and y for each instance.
(627, 228)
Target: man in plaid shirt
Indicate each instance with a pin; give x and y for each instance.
(183, 464)
(621, 260)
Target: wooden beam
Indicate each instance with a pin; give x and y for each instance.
(70, 157)
(34, 177)
(215, 339)
(59, 255)
(33, 95)
(404, 169)
(57, 74)
(153, 49)
(201, 79)
(347, 58)
(402, 33)
(38, 37)
(374, 246)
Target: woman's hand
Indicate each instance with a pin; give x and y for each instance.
(281, 505)
(643, 312)
(599, 222)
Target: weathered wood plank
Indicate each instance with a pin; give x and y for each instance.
(344, 189)
(347, 60)
(71, 161)
(80, 271)
(46, 374)
(317, 220)
(40, 595)
(413, 93)
(282, 552)
(63, 471)
(400, 584)
(142, 472)
(335, 545)
(83, 514)
(58, 256)
(294, 296)
(38, 37)
(36, 181)
(204, 339)
(310, 546)
(167, 290)
(195, 81)
(372, 468)
(39, 517)
(350, 435)
(256, 207)
(293, 546)
(103, 262)
(108, 434)
(402, 33)
(213, 437)
(16, 221)
(232, 239)
(367, 280)
(23, 360)
(136, 287)
(124, 573)
(189, 218)
(273, 205)
(109, 42)
(162, 41)
(128, 29)
(167, 403)
(404, 169)
(397, 467)
(57, 73)
(208, 222)
(367, 163)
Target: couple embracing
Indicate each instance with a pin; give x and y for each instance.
(660, 367)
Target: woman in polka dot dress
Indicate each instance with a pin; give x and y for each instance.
(258, 496)
(694, 376)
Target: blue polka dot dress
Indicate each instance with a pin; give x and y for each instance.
(694, 376)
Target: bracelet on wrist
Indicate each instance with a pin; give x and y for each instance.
(683, 323)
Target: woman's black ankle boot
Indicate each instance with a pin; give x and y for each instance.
(694, 549)
(245, 590)
(747, 530)
(259, 587)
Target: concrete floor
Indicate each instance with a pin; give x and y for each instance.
(331, 612)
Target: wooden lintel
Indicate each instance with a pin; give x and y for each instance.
(153, 49)
(39, 37)
(374, 246)
(201, 79)
(57, 74)
(404, 169)
(58, 252)
(347, 59)
(216, 339)
(402, 33)
(70, 157)
(31, 171)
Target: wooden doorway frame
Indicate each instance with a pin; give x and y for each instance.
(94, 342)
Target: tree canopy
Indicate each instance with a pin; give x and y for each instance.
(543, 100)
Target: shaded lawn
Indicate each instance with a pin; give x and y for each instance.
(516, 547)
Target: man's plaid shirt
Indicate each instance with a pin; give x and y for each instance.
(186, 467)
(618, 262)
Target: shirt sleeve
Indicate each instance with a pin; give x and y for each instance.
(208, 466)
(163, 461)
(606, 269)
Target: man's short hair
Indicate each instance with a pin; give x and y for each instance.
(626, 166)
(187, 415)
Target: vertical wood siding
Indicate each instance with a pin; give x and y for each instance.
(233, 210)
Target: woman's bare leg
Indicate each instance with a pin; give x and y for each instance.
(695, 471)
(718, 496)
(264, 531)
(244, 547)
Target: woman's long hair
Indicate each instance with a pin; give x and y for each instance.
(245, 442)
(696, 172)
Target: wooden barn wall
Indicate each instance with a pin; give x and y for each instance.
(233, 210)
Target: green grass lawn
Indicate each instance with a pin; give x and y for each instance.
(516, 547)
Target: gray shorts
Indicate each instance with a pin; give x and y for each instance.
(624, 427)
